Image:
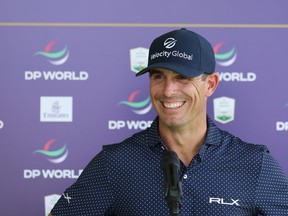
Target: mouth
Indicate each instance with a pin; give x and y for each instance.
(173, 105)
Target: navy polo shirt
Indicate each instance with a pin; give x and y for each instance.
(227, 177)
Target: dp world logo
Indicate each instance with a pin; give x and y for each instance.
(58, 57)
(224, 59)
(141, 107)
(57, 155)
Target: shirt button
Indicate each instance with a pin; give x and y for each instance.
(185, 176)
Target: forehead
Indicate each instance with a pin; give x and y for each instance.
(167, 72)
(162, 71)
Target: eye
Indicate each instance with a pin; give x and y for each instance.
(181, 77)
(156, 75)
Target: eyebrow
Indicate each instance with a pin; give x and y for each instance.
(155, 71)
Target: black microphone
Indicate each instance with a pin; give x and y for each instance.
(170, 165)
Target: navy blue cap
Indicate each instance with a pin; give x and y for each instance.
(182, 51)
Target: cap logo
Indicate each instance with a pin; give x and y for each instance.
(169, 43)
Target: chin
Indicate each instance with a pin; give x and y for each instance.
(172, 122)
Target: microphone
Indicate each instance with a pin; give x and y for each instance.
(170, 166)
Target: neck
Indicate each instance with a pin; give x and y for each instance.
(186, 141)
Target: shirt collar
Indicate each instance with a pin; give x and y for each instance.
(153, 135)
(213, 133)
(213, 136)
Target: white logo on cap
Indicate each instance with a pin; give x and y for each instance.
(169, 43)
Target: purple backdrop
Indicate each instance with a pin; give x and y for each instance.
(66, 80)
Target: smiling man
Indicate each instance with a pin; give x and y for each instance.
(219, 174)
(180, 102)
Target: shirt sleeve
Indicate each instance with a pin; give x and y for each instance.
(90, 194)
(272, 188)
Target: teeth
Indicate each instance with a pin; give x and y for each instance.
(173, 105)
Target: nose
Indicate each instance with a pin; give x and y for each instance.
(169, 88)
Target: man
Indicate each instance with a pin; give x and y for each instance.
(220, 174)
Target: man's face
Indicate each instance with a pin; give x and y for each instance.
(178, 100)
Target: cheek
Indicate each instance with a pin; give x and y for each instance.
(153, 95)
(154, 90)
(201, 90)
(152, 87)
(198, 94)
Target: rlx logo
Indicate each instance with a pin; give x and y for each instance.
(221, 201)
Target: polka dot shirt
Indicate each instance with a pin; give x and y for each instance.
(228, 177)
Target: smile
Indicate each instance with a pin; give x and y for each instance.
(173, 105)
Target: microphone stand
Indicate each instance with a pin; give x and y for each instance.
(170, 165)
(173, 196)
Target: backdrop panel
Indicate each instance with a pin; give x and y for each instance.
(68, 70)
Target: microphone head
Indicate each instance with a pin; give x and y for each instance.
(169, 158)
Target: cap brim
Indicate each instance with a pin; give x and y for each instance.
(181, 69)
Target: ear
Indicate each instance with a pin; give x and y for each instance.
(212, 83)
